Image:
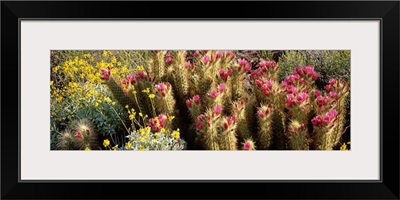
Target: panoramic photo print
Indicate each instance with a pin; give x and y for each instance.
(200, 100)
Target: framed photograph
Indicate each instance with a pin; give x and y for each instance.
(112, 98)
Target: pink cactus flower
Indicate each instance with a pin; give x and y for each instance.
(261, 113)
(247, 67)
(131, 78)
(332, 94)
(228, 54)
(214, 94)
(218, 54)
(105, 74)
(316, 120)
(187, 64)
(229, 72)
(126, 91)
(189, 103)
(247, 146)
(291, 89)
(205, 59)
(327, 88)
(326, 100)
(196, 54)
(317, 93)
(78, 134)
(160, 86)
(199, 125)
(301, 97)
(242, 62)
(332, 81)
(270, 84)
(327, 120)
(196, 99)
(168, 61)
(263, 63)
(289, 100)
(217, 110)
(125, 81)
(221, 87)
(315, 75)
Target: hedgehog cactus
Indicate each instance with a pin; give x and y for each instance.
(265, 126)
(65, 140)
(85, 136)
(226, 101)
(298, 136)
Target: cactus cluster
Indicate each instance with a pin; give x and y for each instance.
(79, 135)
(222, 102)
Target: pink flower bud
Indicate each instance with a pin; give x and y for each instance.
(332, 94)
(187, 64)
(214, 94)
(242, 62)
(327, 88)
(125, 81)
(247, 67)
(168, 61)
(189, 103)
(228, 53)
(261, 113)
(315, 75)
(196, 99)
(78, 134)
(247, 146)
(332, 81)
(270, 83)
(229, 72)
(197, 53)
(326, 100)
(218, 55)
(317, 93)
(217, 110)
(205, 59)
(126, 91)
(221, 87)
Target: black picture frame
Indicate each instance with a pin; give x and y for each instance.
(386, 11)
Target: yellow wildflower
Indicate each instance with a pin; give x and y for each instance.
(140, 131)
(104, 54)
(114, 59)
(96, 104)
(343, 147)
(131, 117)
(87, 149)
(147, 90)
(113, 103)
(51, 83)
(139, 68)
(126, 106)
(119, 64)
(156, 134)
(140, 114)
(151, 96)
(141, 148)
(107, 99)
(170, 118)
(106, 143)
(175, 134)
(162, 130)
(115, 147)
(148, 129)
(128, 145)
